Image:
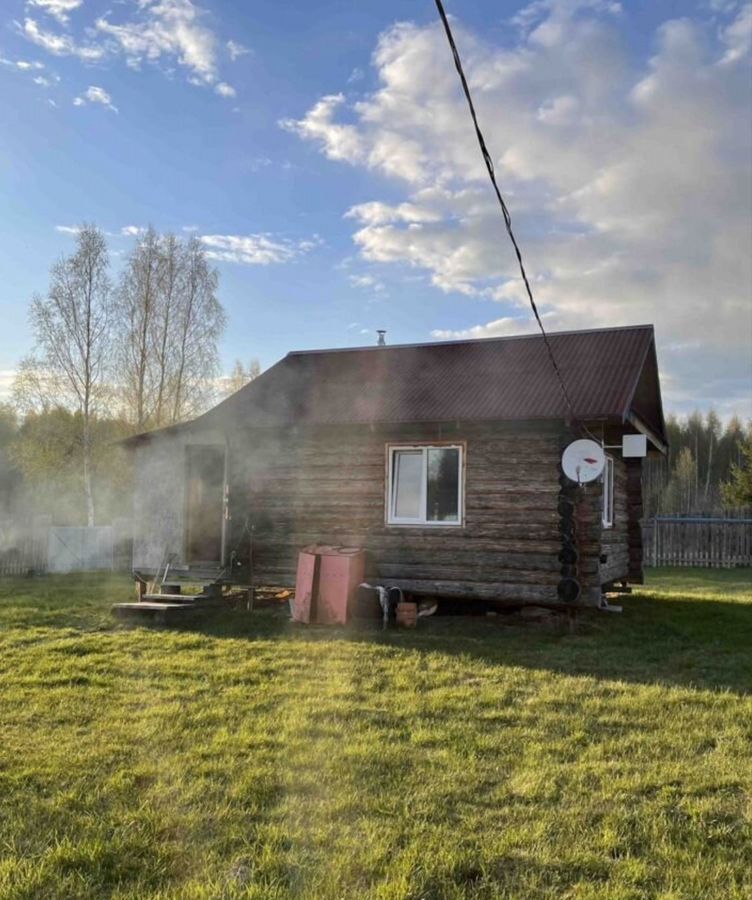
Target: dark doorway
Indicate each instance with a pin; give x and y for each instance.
(206, 477)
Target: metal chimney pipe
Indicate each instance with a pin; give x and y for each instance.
(381, 332)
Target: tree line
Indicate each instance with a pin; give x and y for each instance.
(112, 356)
(707, 469)
(116, 356)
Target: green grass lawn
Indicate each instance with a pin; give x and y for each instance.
(469, 758)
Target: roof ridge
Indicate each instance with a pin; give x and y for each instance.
(484, 340)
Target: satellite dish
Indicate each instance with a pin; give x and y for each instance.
(583, 461)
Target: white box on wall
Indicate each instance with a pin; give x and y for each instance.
(634, 445)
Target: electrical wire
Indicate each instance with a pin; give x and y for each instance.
(505, 211)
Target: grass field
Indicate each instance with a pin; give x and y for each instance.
(467, 759)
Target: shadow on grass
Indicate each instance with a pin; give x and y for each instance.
(695, 643)
(662, 637)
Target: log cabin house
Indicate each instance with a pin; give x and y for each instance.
(442, 459)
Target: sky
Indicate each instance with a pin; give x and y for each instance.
(323, 152)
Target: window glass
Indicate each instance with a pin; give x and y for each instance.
(443, 484)
(407, 483)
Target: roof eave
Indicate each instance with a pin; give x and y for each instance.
(638, 376)
(651, 435)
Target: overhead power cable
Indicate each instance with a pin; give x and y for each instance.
(505, 211)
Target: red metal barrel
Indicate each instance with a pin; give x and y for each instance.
(326, 581)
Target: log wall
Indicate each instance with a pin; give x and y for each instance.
(329, 486)
(295, 487)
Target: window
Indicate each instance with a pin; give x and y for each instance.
(425, 486)
(608, 493)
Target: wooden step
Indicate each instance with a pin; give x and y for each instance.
(182, 599)
(159, 613)
(150, 605)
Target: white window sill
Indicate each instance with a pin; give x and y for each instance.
(425, 524)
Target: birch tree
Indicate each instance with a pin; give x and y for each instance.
(137, 309)
(199, 324)
(240, 376)
(169, 324)
(71, 325)
(168, 300)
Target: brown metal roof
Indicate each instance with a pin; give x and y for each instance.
(502, 378)
(495, 378)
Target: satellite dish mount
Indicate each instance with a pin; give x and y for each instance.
(583, 461)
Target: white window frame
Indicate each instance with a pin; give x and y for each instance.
(423, 521)
(607, 505)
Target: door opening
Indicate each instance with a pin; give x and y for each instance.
(205, 502)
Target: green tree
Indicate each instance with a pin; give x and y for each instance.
(72, 328)
(714, 447)
(737, 491)
(679, 494)
(240, 376)
(48, 450)
(10, 476)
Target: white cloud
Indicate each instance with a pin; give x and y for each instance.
(132, 230)
(168, 33)
(628, 182)
(737, 36)
(375, 213)
(68, 229)
(57, 8)
(341, 142)
(254, 249)
(498, 328)
(257, 163)
(367, 282)
(559, 110)
(24, 65)
(171, 29)
(94, 94)
(311, 243)
(236, 50)
(225, 90)
(61, 44)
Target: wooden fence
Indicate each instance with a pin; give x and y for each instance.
(26, 556)
(43, 547)
(711, 542)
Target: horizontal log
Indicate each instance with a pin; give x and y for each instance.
(469, 574)
(509, 592)
(438, 549)
(473, 561)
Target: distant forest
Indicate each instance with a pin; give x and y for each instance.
(703, 458)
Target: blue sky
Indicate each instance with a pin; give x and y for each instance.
(322, 151)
